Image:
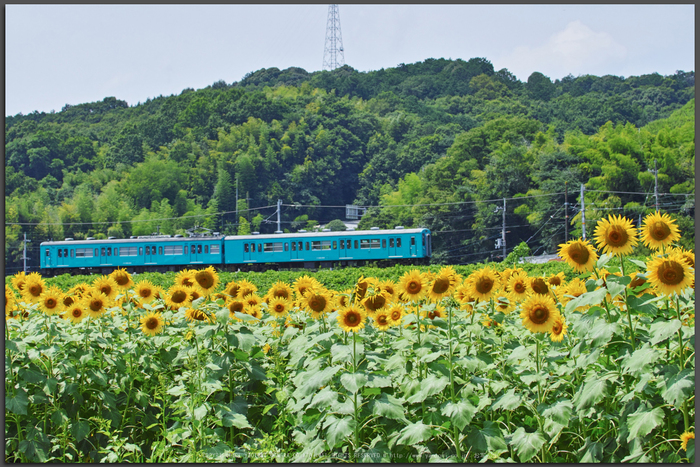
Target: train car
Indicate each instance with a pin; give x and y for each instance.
(137, 254)
(327, 249)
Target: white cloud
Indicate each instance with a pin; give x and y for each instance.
(576, 50)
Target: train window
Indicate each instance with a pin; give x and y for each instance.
(148, 250)
(364, 244)
(301, 246)
(356, 245)
(294, 246)
(398, 242)
(60, 253)
(160, 250)
(126, 251)
(97, 252)
(383, 242)
(391, 243)
(374, 243)
(199, 249)
(153, 249)
(286, 246)
(206, 248)
(307, 246)
(252, 247)
(116, 251)
(103, 252)
(214, 250)
(335, 245)
(342, 244)
(192, 249)
(140, 250)
(65, 252)
(48, 253)
(245, 248)
(109, 251)
(71, 252)
(259, 248)
(413, 241)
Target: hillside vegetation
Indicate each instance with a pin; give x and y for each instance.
(437, 143)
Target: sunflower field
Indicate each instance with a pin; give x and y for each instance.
(498, 365)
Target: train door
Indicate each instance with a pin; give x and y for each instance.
(247, 253)
(150, 251)
(196, 255)
(392, 245)
(49, 261)
(412, 247)
(342, 248)
(103, 255)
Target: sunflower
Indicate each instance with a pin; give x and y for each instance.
(251, 300)
(18, 281)
(579, 254)
(364, 284)
(575, 288)
(462, 292)
(304, 284)
(638, 280)
(107, 286)
(352, 318)
(186, 278)
(616, 235)
(488, 322)
(504, 303)
(659, 230)
(484, 283)
(206, 280)
(432, 313)
(317, 302)
(539, 286)
(518, 285)
(254, 311)
(280, 290)
(688, 256)
(558, 330)
(193, 314)
(145, 291)
(443, 284)
(412, 284)
(376, 302)
(342, 299)
(76, 313)
(395, 311)
(539, 313)
(245, 287)
(556, 279)
(278, 307)
(152, 324)
(67, 301)
(78, 290)
(382, 321)
(685, 437)
(177, 297)
(669, 275)
(10, 301)
(231, 289)
(50, 300)
(33, 287)
(94, 302)
(122, 278)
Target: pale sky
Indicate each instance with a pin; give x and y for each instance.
(73, 54)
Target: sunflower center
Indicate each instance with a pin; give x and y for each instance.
(145, 293)
(395, 315)
(414, 287)
(204, 279)
(68, 300)
(96, 305)
(432, 314)
(317, 303)
(539, 286)
(121, 280)
(105, 289)
(236, 307)
(233, 290)
(539, 314)
(187, 282)
(35, 290)
(556, 280)
(51, 303)
(616, 236)
(281, 294)
(375, 303)
(519, 287)
(152, 323)
(381, 319)
(77, 312)
(660, 230)
(671, 273)
(179, 296)
(352, 318)
(557, 327)
(637, 281)
(441, 285)
(279, 308)
(484, 285)
(579, 253)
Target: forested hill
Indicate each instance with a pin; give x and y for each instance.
(431, 142)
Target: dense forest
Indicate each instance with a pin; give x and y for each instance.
(443, 144)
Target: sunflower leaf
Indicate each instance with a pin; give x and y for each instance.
(641, 422)
(508, 401)
(591, 393)
(353, 381)
(338, 429)
(18, 403)
(461, 413)
(636, 362)
(587, 299)
(601, 333)
(527, 444)
(428, 387)
(663, 329)
(311, 381)
(559, 412)
(489, 438)
(677, 387)
(415, 433)
(389, 407)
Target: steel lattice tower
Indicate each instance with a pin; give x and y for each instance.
(333, 56)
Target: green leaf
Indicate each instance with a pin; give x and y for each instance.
(389, 407)
(461, 413)
(338, 429)
(311, 381)
(559, 412)
(18, 403)
(378, 382)
(353, 381)
(488, 438)
(508, 401)
(177, 390)
(325, 398)
(519, 353)
(201, 411)
(31, 376)
(527, 444)
(592, 451)
(677, 387)
(640, 358)
(663, 329)
(80, 430)
(415, 433)
(235, 419)
(429, 386)
(590, 394)
(616, 284)
(601, 333)
(341, 353)
(641, 422)
(587, 299)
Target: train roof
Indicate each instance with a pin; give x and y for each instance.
(340, 233)
(141, 239)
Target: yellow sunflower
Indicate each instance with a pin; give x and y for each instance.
(186, 278)
(616, 235)
(194, 314)
(363, 285)
(484, 283)
(395, 311)
(685, 437)
(304, 284)
(659, 230)
(579, 254)
(352, 318)
(669, 275)
(122, 278)
(539, 286)
(67, 301)
(412, 285)
(278, 307)
(575, 288)
(376, 302)
(438, 312)
(317, 302)
(33, 287)
(76, 313)
(558, 330)
(10, 301)
(18, 281)
(381, 320)
(107, 286)
(177, 297)
(342, 299)
(504, 302)
(78, 290)
(539, 313)
(254, 311)
(231, 289)
(442, 284)
(95, 303)
(50, 300)
(152, 324)
(519, 285)
(557, 279)
(235, 305)
(281, 290)
(688, 256)
(206, 280)
(145, 291)
(488, 322)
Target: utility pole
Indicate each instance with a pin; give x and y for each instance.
(566, 212)
(333, 55)
(656, 186)
(583, 214)
(24, 256)
(503, 232)
(279, 223)
(236, 219)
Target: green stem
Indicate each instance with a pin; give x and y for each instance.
(686, 420)
(354, 370)
(629, 313)
(452, 383)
